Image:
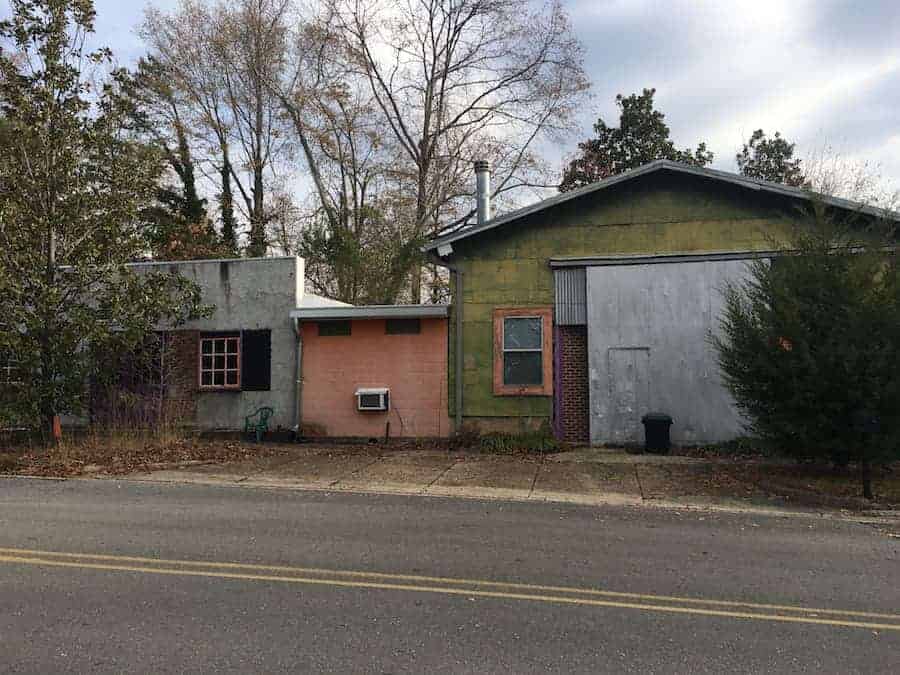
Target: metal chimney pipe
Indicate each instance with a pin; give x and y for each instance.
(483, 190)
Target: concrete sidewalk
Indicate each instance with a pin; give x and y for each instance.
(585, 477)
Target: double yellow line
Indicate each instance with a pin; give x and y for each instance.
(450, 586)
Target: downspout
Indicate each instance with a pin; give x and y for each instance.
(298, 383)
(458, 340)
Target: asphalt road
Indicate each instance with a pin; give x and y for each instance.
(105, 576)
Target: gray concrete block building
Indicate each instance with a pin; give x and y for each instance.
(244, 355)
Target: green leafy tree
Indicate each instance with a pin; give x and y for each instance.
(810, 345)
(641, 137)
(770, 159)
(73, 187)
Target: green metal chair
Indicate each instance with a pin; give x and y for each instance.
(258, 422)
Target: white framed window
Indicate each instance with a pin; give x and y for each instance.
(523, 351)
(220, 362)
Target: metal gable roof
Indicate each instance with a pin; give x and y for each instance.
(653, 167)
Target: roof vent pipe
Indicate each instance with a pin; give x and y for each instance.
(483, 190)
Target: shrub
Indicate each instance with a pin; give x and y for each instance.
(811, 343)
(539, 441)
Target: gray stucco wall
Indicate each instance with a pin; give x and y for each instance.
(248, 294)
(648, 326)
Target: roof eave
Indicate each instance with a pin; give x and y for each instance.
(657, 165)
(366, 312)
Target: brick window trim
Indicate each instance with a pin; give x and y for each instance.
(218, 336)
(546, 316)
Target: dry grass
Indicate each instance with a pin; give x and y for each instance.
(117, 452)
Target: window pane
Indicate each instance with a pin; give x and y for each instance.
(403, 326)
(219, 346)
(231, 377)
(206, 379)
(207, 346)
(231, 361)
(219, 379)
(522, 333)
(207, 362)
(232, 346)
(522, 368)
(334, 328)
(220, 362)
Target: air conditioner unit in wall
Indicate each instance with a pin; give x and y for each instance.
(373, 400)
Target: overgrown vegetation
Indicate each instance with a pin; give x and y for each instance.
(124, 451)
(810, 345)
(73, 188)
(504, 443)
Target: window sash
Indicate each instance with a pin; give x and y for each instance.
(532, 317)
(524, 350)
(220, 362)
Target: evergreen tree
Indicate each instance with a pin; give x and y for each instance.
(641, 137)
(810, 345)
(770, 159)
(73, 186)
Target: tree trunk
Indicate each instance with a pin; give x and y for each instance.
(866, 473)
(258, 244)
(226, 202)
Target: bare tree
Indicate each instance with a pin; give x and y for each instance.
(221, 55)
(459, 80)
(357, 237)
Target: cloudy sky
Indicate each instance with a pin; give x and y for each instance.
(820, 71)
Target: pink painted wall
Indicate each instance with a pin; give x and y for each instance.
(413, 367)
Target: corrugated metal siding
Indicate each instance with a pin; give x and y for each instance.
(571, 296)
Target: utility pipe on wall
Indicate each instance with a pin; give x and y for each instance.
(458, 340)
(298, 384)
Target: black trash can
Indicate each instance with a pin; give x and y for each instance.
(656, 432)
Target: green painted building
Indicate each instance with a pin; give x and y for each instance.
(536, 282)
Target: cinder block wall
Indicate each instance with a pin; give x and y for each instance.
(413, 367)
(246, 294)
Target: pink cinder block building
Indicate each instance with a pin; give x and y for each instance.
(373, 371)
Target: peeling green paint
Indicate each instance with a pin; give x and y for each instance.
(509, 267)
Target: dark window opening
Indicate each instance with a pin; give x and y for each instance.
(256, 360)
(403, 326)
(334, 328)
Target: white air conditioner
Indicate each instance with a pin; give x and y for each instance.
(373, 400)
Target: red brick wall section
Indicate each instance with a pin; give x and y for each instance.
(574, 411)
(180, 375)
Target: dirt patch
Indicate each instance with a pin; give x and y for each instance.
(796, 484)
(660, 481)
(830, 486)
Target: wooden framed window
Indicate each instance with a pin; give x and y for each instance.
(220, 361)
(523, 350)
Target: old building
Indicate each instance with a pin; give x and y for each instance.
(589, 309)
(324, 367)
